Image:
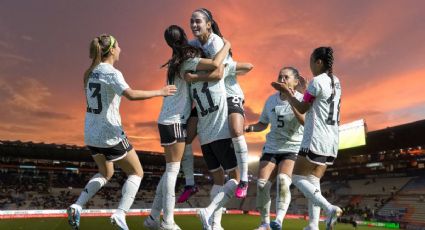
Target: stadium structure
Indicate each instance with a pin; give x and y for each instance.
(380, 182)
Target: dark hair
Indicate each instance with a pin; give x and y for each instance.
(100, 48)
(176, 38)
(301, 81)
(214, 25)
(326, 55)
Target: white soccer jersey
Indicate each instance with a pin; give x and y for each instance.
(322, 119)
(211, 106)
(286, 132)
(176, 108)
(211, 48)
(104, 88)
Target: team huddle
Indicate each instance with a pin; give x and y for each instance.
(203, 98)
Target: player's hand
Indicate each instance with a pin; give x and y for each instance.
(189, 77)
(168, 90)
(283, 88)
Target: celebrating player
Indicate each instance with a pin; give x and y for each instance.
(281, 148)
(172, 120)
(209, 38)
(103, 133)
(319, 146)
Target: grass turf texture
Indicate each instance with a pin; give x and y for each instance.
(239, 222)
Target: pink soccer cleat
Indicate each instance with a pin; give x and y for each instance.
(241, 190)
(189, 190)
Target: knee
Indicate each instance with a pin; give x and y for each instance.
(108, 174)
(284, 182)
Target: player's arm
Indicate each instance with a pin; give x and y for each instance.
(300, 117)
(212, 64)
(257, 127)
(215, 75)
(243, 68)
(301, 106)
(132, 94)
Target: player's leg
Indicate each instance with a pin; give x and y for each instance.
(217, 174)
(173, 155)
(225, 156)
(313, 210)
(263, 199)
(187, 161)
(283, 196)
(106, 171)
(236, 126)
(313, 164)
(131, 166)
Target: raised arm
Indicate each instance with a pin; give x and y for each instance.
(212, 64)
(243, 68)
(215, 75)
(301, 106)
(132, 94)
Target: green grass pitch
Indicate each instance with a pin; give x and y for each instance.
(233, 222)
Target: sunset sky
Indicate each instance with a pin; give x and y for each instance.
(379, 57)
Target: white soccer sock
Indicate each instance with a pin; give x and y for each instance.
(216, 217)
(263, 200)
(222, 196)
(129, 191)
(94, 184)
(283, 198)
(168, 189)
(157, 202)
(313, 210)
(241, 152)
(311, 192)
(187, 165)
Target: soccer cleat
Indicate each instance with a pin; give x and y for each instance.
(274, 225)
(165, 226)
(205, 219)
(263, 226)
(74, 213)
(189, 190)
(333, 217)
(150, 223)
(241, 190)
(119, 222)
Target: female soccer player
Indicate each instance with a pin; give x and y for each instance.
(319, 146)
(209, 38)
(172, 120)
(103, 133)
(281, 148)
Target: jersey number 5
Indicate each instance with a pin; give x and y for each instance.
(280, 122)
(206, 91)
(96, 94)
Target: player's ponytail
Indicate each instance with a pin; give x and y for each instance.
(95, 55)
(326, 55)
(177, 40)
(330, 62)
(100, 48)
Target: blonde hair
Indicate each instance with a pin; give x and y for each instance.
(100, 48)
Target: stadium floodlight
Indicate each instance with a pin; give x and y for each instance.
(352, 134)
